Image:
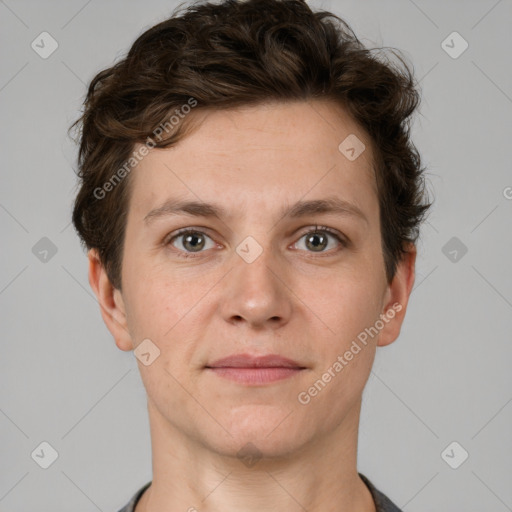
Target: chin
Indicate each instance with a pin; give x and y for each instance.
(260, 431)
(250, 450)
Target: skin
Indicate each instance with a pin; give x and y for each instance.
(292, 300)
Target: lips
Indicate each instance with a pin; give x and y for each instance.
(248, 361)
(251, 370)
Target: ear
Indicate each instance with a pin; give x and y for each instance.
(110, 301)
(397, 296)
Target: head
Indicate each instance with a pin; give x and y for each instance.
(276, 123)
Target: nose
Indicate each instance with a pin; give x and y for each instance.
(256, 294)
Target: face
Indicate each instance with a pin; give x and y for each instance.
(264, 270)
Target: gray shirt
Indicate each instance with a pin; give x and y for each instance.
(382, 502)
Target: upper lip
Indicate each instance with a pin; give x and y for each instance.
(248, 361)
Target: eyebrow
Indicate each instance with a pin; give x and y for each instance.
(329, 205)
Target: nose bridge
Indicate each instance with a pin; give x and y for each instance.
(257, 293)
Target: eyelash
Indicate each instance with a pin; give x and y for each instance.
(186, 231)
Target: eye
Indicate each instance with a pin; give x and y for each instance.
(317, 240)
(191, 241)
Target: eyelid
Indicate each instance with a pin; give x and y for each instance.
(182, 231)
(334, 232)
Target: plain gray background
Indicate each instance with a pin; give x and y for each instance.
(447, 378)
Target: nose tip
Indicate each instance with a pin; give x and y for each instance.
(256, 295)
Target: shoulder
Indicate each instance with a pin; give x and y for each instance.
(130, 506)
(382, 502)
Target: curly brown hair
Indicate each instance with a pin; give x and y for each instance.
(234, 53)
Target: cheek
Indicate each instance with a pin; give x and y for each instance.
(349, 305)
(157, 301)
(168, 312)
(344, 358)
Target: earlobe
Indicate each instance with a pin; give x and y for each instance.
(397, 297)
(110, 301)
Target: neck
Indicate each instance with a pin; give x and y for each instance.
(320, 476)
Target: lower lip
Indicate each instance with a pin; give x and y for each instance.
(255, 375)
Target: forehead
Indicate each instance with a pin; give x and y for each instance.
(265, 154)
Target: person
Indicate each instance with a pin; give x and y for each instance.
(250, 200)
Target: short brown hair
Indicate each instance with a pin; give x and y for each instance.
(235, 53)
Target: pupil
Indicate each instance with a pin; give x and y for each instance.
(316, 235)
(193, 238)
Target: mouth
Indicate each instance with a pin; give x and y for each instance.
(247, 369)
